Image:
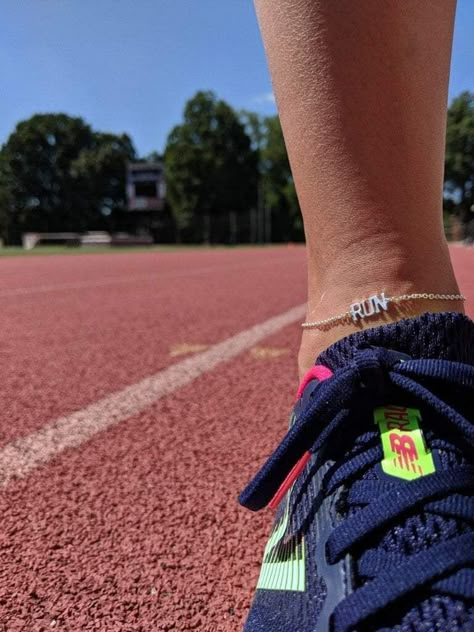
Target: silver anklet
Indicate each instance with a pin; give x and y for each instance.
(379, 303)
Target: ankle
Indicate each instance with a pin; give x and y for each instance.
(387, 263)
(317, 339)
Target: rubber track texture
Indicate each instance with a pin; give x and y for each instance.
(139, 529)
(86, 326)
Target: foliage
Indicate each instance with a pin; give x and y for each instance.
(153, 156)
(254, 126)
(58, 175)
(280, 193)
(100, 171)
(459, 164)
(228, 176)
(211, 171)
(6, 203)
(278, 209)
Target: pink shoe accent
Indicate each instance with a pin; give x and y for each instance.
(318, 372)
(289, 480)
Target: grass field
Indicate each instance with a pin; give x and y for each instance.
(16, 251)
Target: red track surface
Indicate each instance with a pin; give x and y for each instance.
(138, 529)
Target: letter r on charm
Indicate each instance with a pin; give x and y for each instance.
(370, 306)
(356, 311)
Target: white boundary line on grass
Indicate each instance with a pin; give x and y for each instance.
(22, 456)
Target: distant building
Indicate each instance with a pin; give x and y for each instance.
(146, 214)
(145, 186)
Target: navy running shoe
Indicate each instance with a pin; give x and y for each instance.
(373, 487)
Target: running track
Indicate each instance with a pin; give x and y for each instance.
(126, 433)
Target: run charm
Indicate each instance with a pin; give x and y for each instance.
(379, 303)
(370, 306)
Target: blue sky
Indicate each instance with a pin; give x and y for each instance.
(130, 65)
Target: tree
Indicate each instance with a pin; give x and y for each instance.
(280, 194)
(278, 213)
(153, 156)
(254, 125)
(60, 175)
(36, 163)
(211, 172)
(5, 203)
(100, 173)
(459, 164)
(4, 215)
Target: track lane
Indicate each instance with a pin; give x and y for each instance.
(139, 529)
(57, 270)
(20, 457)
(63, 350)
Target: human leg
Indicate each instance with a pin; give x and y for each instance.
(372, 483)
(361, 89)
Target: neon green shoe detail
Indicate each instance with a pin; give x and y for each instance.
(283, 566)
(405, 453)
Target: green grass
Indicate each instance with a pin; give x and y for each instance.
(16, 251)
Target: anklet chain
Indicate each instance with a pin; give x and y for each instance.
(378, 303)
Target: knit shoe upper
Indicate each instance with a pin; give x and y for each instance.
(373, 487)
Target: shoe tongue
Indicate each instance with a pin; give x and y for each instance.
(415, 533)
(447, 336)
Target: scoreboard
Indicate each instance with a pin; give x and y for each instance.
(145, 186)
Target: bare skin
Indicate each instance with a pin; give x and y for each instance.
(362, 92)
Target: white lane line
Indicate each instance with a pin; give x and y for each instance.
(20, 457)
(75, 285)
(104, 282)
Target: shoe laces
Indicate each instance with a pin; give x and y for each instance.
(326, 427)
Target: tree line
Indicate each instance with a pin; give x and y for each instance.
(228, 178)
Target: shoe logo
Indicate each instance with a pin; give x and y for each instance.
(405, 453)
(284, 565)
